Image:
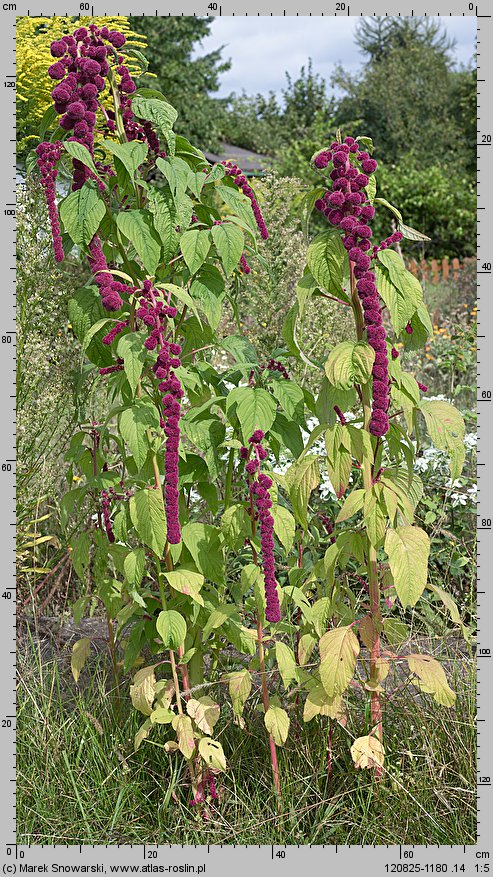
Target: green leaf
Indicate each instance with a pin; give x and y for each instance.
(217, 618)
(160, 113)
(390, 207)
(81, 153)
(165, 222)
(239, 204)
(289, 395)
(277, 723)
(349, 362)
(431, 678)
(352, 504)
(255, 410)
(80, 554)
(284, 526)
(131, 155)
(327, 260)
(133, 424)
(134, 565)
(411, 234)
(286, 663)
(339, 649)
(178, 174)
(447, 429)
(339, 461)
(395, 631)
(235, 525)
(81, 213)
(172, 628)
(208, 291)
(240, 347)
(401, 307)
(131, 349)
(408, 549)
(204, 544)
(186, 582)
(212, 753)
(229, 241)
(137, 226)
(147, 516)
(302, 477)
(80, 653)
(195, 245)
(407, 285)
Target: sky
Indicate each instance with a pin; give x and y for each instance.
(263, 48)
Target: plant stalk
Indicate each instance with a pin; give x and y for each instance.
(372, 566)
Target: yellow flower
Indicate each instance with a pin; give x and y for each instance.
(76, 478)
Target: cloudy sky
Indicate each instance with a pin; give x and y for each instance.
(262, 48)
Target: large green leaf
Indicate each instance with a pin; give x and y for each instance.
(229, 241)
(401, 308)
(255, 410)
(301, 478)
(284, 526)
(165, 221)
(408, 549)
(131, 349)
(327, 261)
(147, 516)
(137, 226)
(289, 395)
(407, 287)
(186, 582)
(447, 430)
(134, 423)
(195, 245)
(208, 291)
(204, 544)
(339, 649)
(349, 362)
(81, 153)
(81, 213)
(172, 628)
(131, 155)
(160, 112)
(430, 677)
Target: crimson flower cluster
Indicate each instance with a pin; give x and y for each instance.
(111, 369)
(105, 507)
(154, 314)
(347, 207)
(82, 66)
(245, 267)
(48, 155)
(259, 491)
(328, 526)
(115, 331)
(109, 288)
(241, 181)
(273, 365)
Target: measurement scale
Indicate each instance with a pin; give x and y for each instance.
(224, 860)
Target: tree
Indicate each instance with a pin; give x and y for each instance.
(187, 82)
(403, 94)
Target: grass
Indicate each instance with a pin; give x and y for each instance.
(79, 780)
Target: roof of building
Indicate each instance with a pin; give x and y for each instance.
(249, 162)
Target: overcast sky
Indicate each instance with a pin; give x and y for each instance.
(262, 48)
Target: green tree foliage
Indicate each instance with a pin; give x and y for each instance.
(187, 82)
(403, 94)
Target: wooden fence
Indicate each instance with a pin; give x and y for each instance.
(435, 270)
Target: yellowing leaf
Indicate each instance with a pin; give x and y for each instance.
(349, 362)
(184, 732)
(80, 653)
(212, 753)
(431, 678)
(142, 734)
(305, 648)
(142, 692)
(286, 663)
(367, 752)
(339, 649)
(162, 716)
(318, 703)
(447, 430)
(408, 549)
(187, 582)
(277, 723)
(352, 504)
(240, 684)
(204, 712)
